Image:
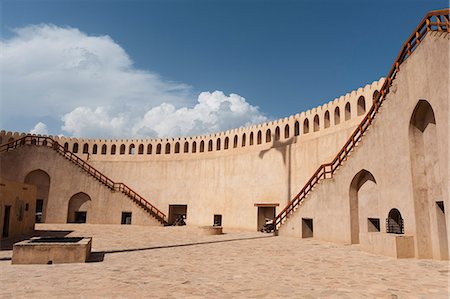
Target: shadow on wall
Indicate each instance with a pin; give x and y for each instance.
(284, 148)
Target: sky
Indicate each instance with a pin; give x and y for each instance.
(138, 69)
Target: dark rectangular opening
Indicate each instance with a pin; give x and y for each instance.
(177, 214)
(80, 217)
(6, 217)
(440, 204)
(307, 228)
(265, 216)
(39, 208)
(126, 218)
(373, 224)
(217, 220)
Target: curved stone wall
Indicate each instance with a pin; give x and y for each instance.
(230, 173)
(339, 114)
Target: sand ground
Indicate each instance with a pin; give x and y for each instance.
(180, 262)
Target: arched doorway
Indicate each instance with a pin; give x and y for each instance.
(79, 206)
(363, 202)
(41, 180)
(427, 181)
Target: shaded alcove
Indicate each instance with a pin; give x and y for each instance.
(79, 206)
(41, 180)
(363, 180)
(424, 155)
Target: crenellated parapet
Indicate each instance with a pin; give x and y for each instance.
(339, 114)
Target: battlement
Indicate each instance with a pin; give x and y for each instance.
(339, 114)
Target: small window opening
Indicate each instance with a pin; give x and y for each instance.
(373, 224)
(307, 228)
(126, 218)
(217, 220)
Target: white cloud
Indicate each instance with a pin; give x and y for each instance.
(213, 112)
(39, 128)
(91, 85)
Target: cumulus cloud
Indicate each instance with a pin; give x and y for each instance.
(39, 128)
(213, 112)
(91, 87)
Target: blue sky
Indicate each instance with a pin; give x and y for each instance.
(281, 56)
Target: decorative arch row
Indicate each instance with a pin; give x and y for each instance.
(243, 140)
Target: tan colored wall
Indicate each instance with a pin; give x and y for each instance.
(385, 151)
(221, 181)
(22, 200)
(106, 206)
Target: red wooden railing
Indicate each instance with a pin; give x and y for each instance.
(121, 187)
(437, 20)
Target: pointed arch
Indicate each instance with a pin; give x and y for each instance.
(348, 111)
(316, 123)
(286, 131)
(259, 137)
(104, 149)
(177, 147)
(131, 149)
(244, 137)
(75, 148)
(296, 128)
(141, 149)
(268, 136)
(158, 149)
(122, 149)
(251, 138)
(235, 141)
(337, 116)
(361, 106)
(210, 145)
(113, 149)
(186, 147)
(167, 151)
(218, 144)
(326, 119)
(194, 147)
(361, 178)
(227, 141)
(149, 149)
(202, 146)
(277, 133)
(85, 148)
(306, 126)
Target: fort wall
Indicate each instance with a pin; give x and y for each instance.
(391, 168)
(226, 173)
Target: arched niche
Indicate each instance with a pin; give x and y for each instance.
(79, 208)
(363, 201)
(41, 180)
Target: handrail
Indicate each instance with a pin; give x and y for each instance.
(121, 187)
(437, 20)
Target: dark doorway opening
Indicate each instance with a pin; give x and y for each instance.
(39, 208)
(265, 215)
(307, 228)
(126, 218)
(80, 217)
(217, 220)
(177, 212)
(6, 218)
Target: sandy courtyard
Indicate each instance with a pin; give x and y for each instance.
(180, 262)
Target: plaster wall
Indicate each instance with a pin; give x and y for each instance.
(213, 181)
(385, 153)
(22, 201)
(67, 180)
